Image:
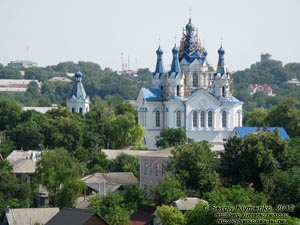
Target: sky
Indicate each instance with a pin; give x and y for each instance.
(53, 31)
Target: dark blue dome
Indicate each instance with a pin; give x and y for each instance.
(78, 74)
(189, 26)
(175, 50)
(159, 51)
(205, 52)
(221, 51)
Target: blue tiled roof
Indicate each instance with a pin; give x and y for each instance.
(153, 94)
(230, 99)
(243, 131)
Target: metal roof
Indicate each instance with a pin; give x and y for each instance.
(243, 131)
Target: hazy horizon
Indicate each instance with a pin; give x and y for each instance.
(99, 31)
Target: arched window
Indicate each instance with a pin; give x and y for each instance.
(157, 118)
(209, 119)
(195, 80)
(223, 91)
(202, 119)
(195, 119)
(224, 119)
(80, 110)
(177, 90)
(178, 119)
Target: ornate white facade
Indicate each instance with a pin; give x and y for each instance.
(189, 96)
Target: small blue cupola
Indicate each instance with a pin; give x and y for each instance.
(159, 63)
(189, 27)
(221, 64)
(175, 67)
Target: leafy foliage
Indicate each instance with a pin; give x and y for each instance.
(195, 165)
(170, 215)
(170, 137)
(168, 191)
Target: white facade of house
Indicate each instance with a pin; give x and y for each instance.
(189, 96)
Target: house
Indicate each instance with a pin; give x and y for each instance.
(20, 64)
(294, 81)
(189, 96)
(187, 204)
(103, 183)
(241, 132)
(253, 88)
(23, 162)
(40, 109)
(143, 215)
(28, 216)
(60, 79)
(16, 85)
(153, 167)
(76, 217)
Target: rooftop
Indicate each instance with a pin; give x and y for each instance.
(26, 216)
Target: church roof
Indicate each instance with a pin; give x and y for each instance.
(190, 46)
(243, 131)
(228, 99)
(78, 89)
(153, 94)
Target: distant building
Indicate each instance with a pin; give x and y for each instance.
(20, 64)
(241, 132)
(103, 183)
(265, 57)
(294, 81)
(16, 85)
(78, 101)
(40, 109)
(189, 96)
(143, 215)
(187, 204)
(60, 79)
(253, 88)
(76, 217)
(153, 167)
(28, 216)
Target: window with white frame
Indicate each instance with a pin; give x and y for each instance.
(178, 119)
(224, 119)
(209, 119)
(195, 119)
(202, 119)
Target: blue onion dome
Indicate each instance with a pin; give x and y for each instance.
(159, 51)
(221, 51)
(175, 50)
(78, 74)
(189, 26)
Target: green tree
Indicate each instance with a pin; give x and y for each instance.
(167, 191)
(231, 163)
(27, 135)
(134, 196)
(10, 113)
(170, 137)
(195, 165)
(285, 115)
(125, 163)
(170, 215)
(112, 208)
(13, 193)
(59, 172)
(124, 130)
(256, 118)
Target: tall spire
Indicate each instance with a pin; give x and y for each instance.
(159, 63)
(175, 67)
(221, 64)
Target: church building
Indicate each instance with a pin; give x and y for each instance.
(189, 96)
(78, 101)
